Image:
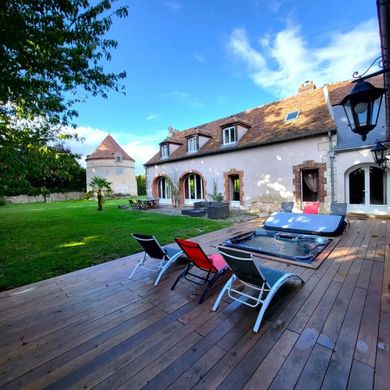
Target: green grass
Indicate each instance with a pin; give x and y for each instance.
(42, 240)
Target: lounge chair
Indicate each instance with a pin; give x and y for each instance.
(311, 208)
(287, 207)
(263, 282)
(153, 250)
(338, 209)
(214, 266)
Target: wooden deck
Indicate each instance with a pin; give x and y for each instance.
(95, 328)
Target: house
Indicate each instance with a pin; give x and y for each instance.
(296, 149)
(111, 162)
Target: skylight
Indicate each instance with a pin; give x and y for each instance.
(291, 116)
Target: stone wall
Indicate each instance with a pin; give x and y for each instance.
(54, 197)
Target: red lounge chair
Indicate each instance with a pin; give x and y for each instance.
(311, 207)
(214, 266)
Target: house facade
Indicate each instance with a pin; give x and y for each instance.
(112, 163)
(296, 149)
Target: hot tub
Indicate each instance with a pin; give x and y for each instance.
(302, 248)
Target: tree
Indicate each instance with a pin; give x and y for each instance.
(100, 186)
(141, 184)
(51, 56)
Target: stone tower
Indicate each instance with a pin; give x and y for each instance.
(111, 162)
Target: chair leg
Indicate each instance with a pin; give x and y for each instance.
(209, 285)
(139, 264)
(183, 273)
(269, 297)
(225, 288)
(166, 266)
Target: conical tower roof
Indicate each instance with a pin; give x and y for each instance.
(107, 150)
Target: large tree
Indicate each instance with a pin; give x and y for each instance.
(51, 57)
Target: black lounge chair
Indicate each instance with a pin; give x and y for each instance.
(214, 266)
(152, 249)
(262, 281)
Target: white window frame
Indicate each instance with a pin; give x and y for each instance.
(164, 151)
(192, 145)
(231, 135)
(292, 119)
(191, 200)
(164, 187)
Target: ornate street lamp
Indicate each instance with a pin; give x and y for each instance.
(362, 106)
(379, 153)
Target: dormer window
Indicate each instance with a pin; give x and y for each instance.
(229, 135)
(291, 116)
(165, 151)
(192, 144)
(118, 157)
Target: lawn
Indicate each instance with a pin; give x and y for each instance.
(42, 240)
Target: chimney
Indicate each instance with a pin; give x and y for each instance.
(307, 86)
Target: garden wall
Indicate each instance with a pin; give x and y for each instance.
(54, 197)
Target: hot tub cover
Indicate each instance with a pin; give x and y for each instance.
(321, 224)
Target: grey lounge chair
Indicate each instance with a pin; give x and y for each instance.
(338, 209)
(153, 250)
(263, 282)
(287, 207)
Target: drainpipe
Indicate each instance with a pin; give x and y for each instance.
(331, 167)
(383, 7)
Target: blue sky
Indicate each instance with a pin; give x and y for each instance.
(189, 62)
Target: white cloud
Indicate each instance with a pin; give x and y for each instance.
(141, 148)
(176, 94)
(281, 62)
(200, 58)
(151, 117)
(173, 5)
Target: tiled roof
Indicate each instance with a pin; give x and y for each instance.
(267, 125)
(337, 91)
(107, 149)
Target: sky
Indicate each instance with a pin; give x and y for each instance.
(189, 62)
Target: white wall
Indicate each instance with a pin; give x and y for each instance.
(120, 174)
(268, 174)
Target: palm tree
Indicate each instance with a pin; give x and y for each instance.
(100, 186)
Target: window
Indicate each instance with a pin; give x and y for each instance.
(229, 135)
(193, 187)
(164, 188)
(118, 158)
(309, 185)
(192, 144)
(291, 116)
(367, 186)
(164, 151)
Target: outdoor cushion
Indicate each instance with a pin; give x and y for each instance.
(218, 261)
(311, 208)
(322, 224)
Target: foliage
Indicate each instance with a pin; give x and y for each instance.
(101, 187)
(2, 201)
(52, 55)
(216, 196)
(49, 51)
(70, 235)
(30, 167)
(141, 184)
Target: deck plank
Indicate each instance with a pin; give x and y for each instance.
(96, 328)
